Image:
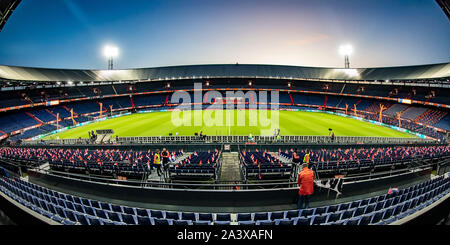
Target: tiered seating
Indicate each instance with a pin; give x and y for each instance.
(198, 164)
(375, 107)
(74, 210)
(394, 109)
(431, 117)
(131, 164)
(264, 165)
(144, 100)
(444, 123)
(340, 160)
(17, 121)
(407, 124)
(413, 112)
(43, 115)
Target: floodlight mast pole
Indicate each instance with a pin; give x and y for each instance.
(110, 63)
(347, 62)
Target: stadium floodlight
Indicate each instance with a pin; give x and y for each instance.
(346, 50)
(110, 52)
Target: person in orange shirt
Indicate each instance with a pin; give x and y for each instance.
(295, 157)
(306, 182)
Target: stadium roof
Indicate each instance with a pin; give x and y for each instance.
(6, 9)
(445, 5)
(433, 71)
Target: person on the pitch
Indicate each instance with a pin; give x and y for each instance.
(306, 182)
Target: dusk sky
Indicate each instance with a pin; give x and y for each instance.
(151, 33)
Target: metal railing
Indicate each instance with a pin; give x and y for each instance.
(240, 139)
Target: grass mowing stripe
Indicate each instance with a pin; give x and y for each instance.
(290, 123)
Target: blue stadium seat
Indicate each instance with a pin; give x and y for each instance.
(205, 217)
(222, 223)
(261, 216)
(359, 211)
(355, 204)
(116, 208)
(202, 223)
(156, 214)
(107, 222)
(188, 216)
(68, 222)
(90, 211)
(94, 221)
(223, 217)
(348, 214)
(85, 202)
(248, 222)
(82, 219)
(114, 216)
(70, 215)
(105, 206)
(353, 221)
(70, 206)
(143, 220)
(307, 212)
(79, 207)
(343, 206)
(95, 204)
(142, 212)
(265, 222)
(370, 208)
(276, 215)
(333, 208)
(333, 217)
(244, 217)
(292, 214)
(377, 217)
(319, 219)
(172, 215)
(284, 222)
(365, 220)
(129, 210)
(364, 203)
(161, 222)
(320, 210)
(182, 222)
(388, 213)
(101, 214)
(303, 221)
(128, 219)
(60, 212)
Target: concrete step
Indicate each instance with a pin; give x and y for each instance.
(230, 167)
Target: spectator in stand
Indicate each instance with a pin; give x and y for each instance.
(306, 157)
(306, 182)
(295, 156)
(157, 162)
(165, 158)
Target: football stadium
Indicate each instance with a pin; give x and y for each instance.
(224, 144)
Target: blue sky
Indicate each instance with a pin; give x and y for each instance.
(149, 33)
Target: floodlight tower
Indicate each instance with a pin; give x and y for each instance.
(346, 50)
(110, 52)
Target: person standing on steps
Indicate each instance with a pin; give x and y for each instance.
(306, 182)
(157, 162)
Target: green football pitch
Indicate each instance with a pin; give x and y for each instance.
(231, 122)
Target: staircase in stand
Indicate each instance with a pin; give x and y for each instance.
(230, 171)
